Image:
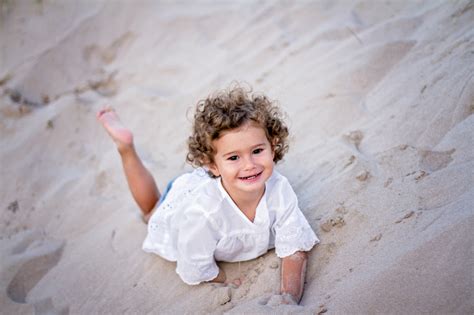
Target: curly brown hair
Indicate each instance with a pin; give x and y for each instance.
(230, 109)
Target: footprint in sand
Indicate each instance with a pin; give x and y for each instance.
(335, 220)
(363, 176)
(222, 296)
(354, 137)
(26, 258)
(108, 54)
(435, 160)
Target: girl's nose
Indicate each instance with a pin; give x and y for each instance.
(249, 163)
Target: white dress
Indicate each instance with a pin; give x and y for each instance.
(198, 223)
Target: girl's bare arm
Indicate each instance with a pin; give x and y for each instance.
(293, 271)
(221, 277)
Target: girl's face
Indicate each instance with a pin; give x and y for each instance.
(243, 160)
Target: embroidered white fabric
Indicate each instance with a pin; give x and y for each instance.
(198, 223)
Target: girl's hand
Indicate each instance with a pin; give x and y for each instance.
(281, 299)
(234, 283)
(221, 277)
(288, 299)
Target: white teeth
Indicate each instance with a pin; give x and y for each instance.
(249, 177)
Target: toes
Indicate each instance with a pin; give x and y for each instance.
(109, 108)
(100, 113)
(103, 111)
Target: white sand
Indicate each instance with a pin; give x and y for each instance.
(380, 98)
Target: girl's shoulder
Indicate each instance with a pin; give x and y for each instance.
(278, 182)
(276, 176)
(203, 191)
(193, 182)
(196, 176)
(279, 191)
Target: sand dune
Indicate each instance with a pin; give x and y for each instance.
(379, 96)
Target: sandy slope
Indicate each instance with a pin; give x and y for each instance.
(380, 98)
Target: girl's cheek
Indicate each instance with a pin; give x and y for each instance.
(233, 165)
(266, 156)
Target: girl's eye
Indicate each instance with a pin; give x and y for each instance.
(233, 158)
(257, 151)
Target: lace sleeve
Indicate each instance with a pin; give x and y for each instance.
(292, 230)
(197, 242)
(292, 238)
(193, 273)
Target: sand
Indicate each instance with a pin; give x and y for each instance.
(380, 102)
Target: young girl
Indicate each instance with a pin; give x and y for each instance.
(234, 206)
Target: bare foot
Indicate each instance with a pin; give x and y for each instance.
(120, 134)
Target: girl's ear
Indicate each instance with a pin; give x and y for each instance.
(213, 169)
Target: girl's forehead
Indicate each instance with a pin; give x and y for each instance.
(246, 135)
(245, 127)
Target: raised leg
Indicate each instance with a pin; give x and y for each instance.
(140, 181)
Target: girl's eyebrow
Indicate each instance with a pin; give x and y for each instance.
(234, 152)
(229, 153)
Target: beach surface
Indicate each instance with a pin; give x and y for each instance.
(380, 101)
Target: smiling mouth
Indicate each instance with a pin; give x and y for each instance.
(251, 177)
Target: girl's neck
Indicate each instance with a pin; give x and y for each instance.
(246, 202)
